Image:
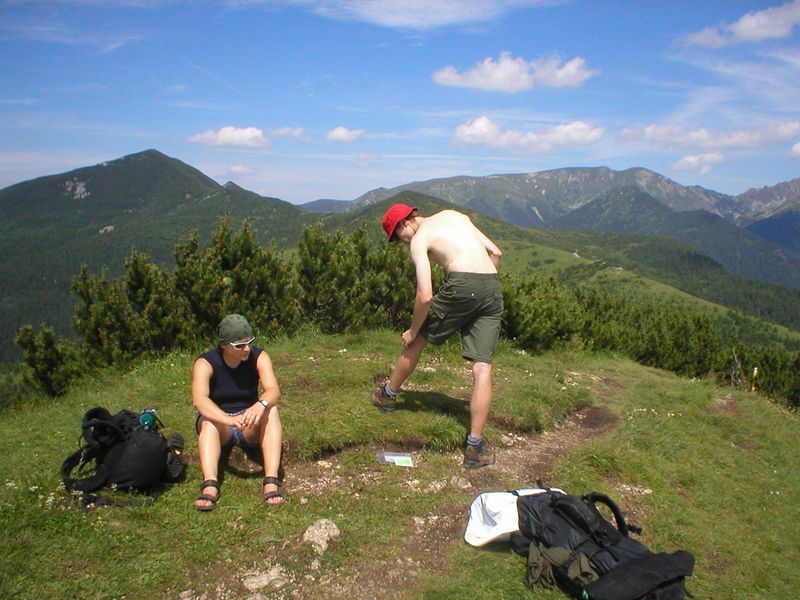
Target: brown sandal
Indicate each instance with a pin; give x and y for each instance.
(275, 493)
(213, 499)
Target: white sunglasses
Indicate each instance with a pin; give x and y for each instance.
(240, 345)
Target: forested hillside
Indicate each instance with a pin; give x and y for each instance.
(95, 216)
(343, 282)
(629, 210)
(150, 202)
(781, 228)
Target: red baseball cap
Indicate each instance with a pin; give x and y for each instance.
(395, 214)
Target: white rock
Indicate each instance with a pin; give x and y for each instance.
(460, 482)
(320, 533)
(274, 577)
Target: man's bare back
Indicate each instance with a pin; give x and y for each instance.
(450, 239)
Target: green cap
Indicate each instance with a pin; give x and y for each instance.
(232, 328)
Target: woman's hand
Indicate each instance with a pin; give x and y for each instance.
(250, 417)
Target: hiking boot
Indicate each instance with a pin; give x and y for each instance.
(382, 400)
(477, 456)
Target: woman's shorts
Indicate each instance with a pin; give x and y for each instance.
(236, 435)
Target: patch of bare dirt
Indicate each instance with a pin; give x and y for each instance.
(727, 405)
(526, 458)
(747, 446)
(521, 460)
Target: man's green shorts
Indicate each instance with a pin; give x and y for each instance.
(472, 304)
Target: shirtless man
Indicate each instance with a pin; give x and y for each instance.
(469, 301)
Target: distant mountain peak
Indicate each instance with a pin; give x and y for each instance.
(537, 199)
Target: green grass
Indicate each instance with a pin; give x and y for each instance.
(714, 472)
(721, 470)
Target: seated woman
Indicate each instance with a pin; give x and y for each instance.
(230, 410)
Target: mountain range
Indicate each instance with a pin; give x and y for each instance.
(755, 234)
(537, 199)
(629, 210)
(95, 215)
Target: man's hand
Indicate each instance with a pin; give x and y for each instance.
(408, 338)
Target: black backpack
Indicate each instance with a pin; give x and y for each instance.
(570, 545)
(121, 453)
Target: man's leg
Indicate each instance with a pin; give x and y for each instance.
(269, 436)
(384, 398)
(475, 453)
(407, 362)
(209, 447)
(481, 401)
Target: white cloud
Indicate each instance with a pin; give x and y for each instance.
(239, 170)
(343, 134)
(232, 137)
(51, 29)
(551, 73)
(364, 159)
(795, 152)
(509, 74)
(17, 101)
(771, 23)
(675, 136)
(486, 132)
(416, 14)
(296, 133)
(177, 88)
(700, 163)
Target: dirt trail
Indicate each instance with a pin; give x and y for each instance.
(520, 458)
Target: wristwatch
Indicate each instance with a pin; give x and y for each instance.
(264, 403)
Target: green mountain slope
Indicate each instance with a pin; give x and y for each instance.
(561, 198)
(94, 216)
(782, 228)
(627, 210)
(149, 201)
(325, 205)
(656, 266)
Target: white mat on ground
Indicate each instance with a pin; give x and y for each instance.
(493, 515)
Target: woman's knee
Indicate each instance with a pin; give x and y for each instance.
(270, 423)
(208, 431)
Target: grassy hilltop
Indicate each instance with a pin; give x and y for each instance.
(702, 468)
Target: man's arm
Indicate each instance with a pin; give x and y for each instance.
(424, 295)
(495, 254)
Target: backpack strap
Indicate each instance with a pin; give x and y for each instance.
(76, 460)
(578, 512)
(100, 428)
(624, 527)
(101, 432)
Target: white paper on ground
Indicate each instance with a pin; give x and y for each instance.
(401, 459)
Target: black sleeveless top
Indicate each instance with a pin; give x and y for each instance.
(233, 389)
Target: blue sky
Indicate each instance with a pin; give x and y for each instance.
(308, 99)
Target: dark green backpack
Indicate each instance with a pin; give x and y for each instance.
(570, 545)
(122, 453)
